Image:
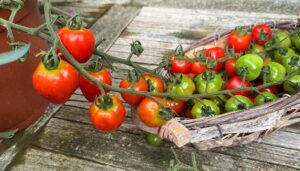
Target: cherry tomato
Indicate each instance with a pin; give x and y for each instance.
(239, 39)
(153, 140)
(292, 85)
(283, 53)
(295, 38)
(80, 43)
(55, 85)
(230, 67)
(237, 82)
(209, 81)
(139, 85)
(250, 65)
(176, 105)
(89, 89)
(214, 54)
(155, 84)
(197, 68)
(182, 85)
(273, 89)
(107, 113)
(282, 39)
(220, 101)
(261, 33)
(179, 66)
(264, 97)
(292, 64)
(275, 72)
(238, 102)
(205, 108)
(151, 113)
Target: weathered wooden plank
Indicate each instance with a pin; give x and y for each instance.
(40, 159)
(12, 147)
(112, 24)
(269, 6)
(284, 139)
(254, 151)
(115, 148)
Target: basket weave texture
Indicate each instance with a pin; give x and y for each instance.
(234, 128)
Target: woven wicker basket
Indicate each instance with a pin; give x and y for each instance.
(234, 128)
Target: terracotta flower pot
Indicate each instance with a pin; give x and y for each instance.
(20, 105)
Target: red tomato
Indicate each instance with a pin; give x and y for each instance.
(132, 99)
(80, 43)
(108, 117)
(215, 53)
(176, 105)
(89, 89)
(154, 83)
(179, 66)
(230, 67)
(261, 33)
(236, 82)
(239, 40)
(197, 68)
(55, 85)
(151, 113)
(273, 89)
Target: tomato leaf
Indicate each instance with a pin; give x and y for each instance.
(11, 56)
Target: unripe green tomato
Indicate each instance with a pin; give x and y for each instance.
(264, 97)
(153, 140)
(214, 83)
(183, 85)
(252, 64)
(292, 64)
(292, 85)
(295, 38)
(283, 53)
(238, 102)
(282, 39)
(205, 108)
(276, 72)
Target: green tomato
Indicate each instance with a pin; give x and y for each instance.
(251, 65)
(205, 108)
(283, 53)
(292, 64)
(292, 85)
(264, 97)
(182, 85)
(153, 140)
(220, 101)
(238, 102)
(282, 39)
(273, 72)
(295, 37)
(214, 82)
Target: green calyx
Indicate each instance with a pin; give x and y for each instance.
(207, 111)
(51, 60)
(165, 113)
(208, 75)
(136, 48)
(176, 79)
(263, 35)
(283, 51)
(242, 106)
(243, 71)
(294, 61)
(75, 23)
(104, 102)
(242, 30)
(179, 53)
(95, 65)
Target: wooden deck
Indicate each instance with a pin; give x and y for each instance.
(70, 142)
